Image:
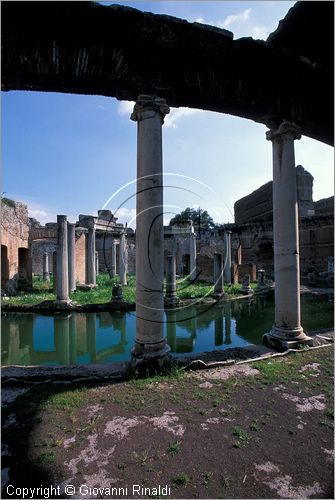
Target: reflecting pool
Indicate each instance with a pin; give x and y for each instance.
(81, 338)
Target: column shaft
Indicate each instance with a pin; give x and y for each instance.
(123, 259)
(62, 260)
(227, 259)
(71, 242)
(171, 286)
(113, 265)
(46, 274)
(193, 253)
(218, 274)
(286, 234)
(150, 342)
(91, 274)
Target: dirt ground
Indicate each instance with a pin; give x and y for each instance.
(255, 430)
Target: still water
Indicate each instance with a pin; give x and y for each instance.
(81, 338)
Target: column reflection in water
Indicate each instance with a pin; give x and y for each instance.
(185, 344)
(91, 321)
(62, 338)
(219, 328)
(73, 339)
(120, 324)
(171, 329)
(227, 318)
(17, 340)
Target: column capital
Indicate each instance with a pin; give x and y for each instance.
(147, 106)
(286, 130)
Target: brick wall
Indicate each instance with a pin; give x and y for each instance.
(14, 235)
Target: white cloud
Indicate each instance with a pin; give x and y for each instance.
(227, 21)
(244, 26)
(261, 32)
(125, 107)
(37, 213)
(126, 215)
(177, 113)
(237, 17)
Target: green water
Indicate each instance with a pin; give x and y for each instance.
(33, 339)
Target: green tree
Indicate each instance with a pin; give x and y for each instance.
(198, 216)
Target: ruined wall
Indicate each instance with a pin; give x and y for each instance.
(325, 206)
(258, 206)
(80, 256)
(316, 243)
(15, 270)
(254, 227)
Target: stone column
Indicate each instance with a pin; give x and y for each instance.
(62, 289)
(113, 266)
(96, 263)
(193, 259)
(218, 275)
(123, 259)
(227, 263)
(287, 329)
(71, 242)
(150, 342)
(46, 274)
(90, 256)
(171, 286)
(54, 271)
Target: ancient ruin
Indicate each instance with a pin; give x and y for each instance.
(281, 101)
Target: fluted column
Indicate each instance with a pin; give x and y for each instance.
(123, 259)
(227, 258)
(150, 342)
(46, 273)
(62, 289)
(193, 253)
(91, 274)
(71, 242)
(287, 327)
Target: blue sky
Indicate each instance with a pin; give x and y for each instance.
(74, 154)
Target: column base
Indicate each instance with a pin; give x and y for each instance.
(150, 358)
(63, 302)
(246, 291)
(218, 295)
(282, 339)
(171, 301)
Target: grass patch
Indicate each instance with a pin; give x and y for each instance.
(47, 458)
(242, 437)
(67, 400)
(181, 479)
(207, 476)
(43, 290)
(174, 448)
